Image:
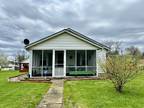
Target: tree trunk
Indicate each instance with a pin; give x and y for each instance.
(119, 88)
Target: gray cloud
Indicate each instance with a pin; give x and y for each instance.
(99, 19)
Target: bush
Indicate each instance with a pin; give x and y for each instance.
(120, 69)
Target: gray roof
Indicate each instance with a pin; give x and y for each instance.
(69, 30)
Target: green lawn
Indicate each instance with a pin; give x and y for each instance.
(20, 95)
(101, 94)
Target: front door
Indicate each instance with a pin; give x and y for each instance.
(59, 64)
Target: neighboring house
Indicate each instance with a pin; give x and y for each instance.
(9, 67)
(12, 65)
(24, 65)
(66, 53)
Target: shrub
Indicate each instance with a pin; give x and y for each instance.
(120, 69)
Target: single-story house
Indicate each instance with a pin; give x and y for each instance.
(66, 53)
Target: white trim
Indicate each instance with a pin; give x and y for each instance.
(64, 63)
(96, 65)
(42, 64)
(30, 62)
(62, 49)
(86, 60)
(53, 64)
(75, 60)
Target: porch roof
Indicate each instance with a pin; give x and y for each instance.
(73, 33)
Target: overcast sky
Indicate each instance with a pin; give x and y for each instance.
(118, 20)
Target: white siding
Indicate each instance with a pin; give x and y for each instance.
(64, 41)
(100, 58)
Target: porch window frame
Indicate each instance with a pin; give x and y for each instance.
(86, 62)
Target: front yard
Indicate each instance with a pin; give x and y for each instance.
(20, 95)
(77, 94)
(101, 94)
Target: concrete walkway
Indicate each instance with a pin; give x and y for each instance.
(54, 96)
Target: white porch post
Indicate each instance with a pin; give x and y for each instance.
(30, 62)
(53, 63)
(64, 63)
(42, 64)
(86, 60)
(75, 60)
(97, 66)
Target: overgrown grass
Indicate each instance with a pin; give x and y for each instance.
(101, 94)
(20, 95)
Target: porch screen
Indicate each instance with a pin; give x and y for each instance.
(36, 63)
(81, 62)
(42, 63)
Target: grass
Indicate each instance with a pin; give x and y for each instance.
(101, 94)
(20, 95)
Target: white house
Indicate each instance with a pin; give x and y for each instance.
(66, 53)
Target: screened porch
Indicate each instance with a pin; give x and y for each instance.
(64, 63)
(81, 62)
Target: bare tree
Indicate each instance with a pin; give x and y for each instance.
(142, 55)
(21, 55)
(3, 60)
(115, 47)
(120, 69)
(134, 51)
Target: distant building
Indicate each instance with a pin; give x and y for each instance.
(12, 65)
(24, 66)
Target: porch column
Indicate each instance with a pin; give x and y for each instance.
(42, 64)
(86, 60)
(30, 62)
(75, 60)
(53, 63)
(64, 63)
(97, 66)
